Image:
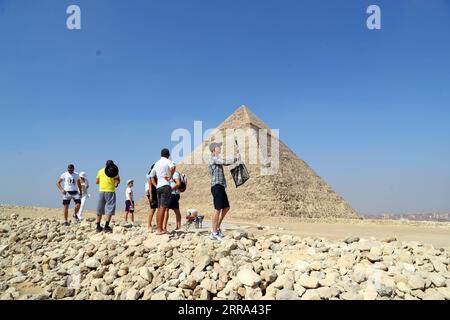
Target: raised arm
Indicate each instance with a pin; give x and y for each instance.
(224, 162)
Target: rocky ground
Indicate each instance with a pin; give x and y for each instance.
(41, 259)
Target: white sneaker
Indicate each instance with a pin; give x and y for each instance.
(79, 217)
(220, 233)
(216, 236)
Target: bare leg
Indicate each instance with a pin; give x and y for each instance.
(178, 218)
(166, 219)
(160, 220)
(215, 220)
(126, 216)
(150, 218)
(77, 207)
(99, 219)
(66, 212)
(132, 217)
(222, 215)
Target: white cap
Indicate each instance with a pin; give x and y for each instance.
(131, 180)
(83, 174)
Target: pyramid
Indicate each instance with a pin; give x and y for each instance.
(291, 190)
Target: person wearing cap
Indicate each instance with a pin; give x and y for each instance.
(160, 176)
(129, 202)
(71, 191)
(84, 191)
(108, 180)
(218, 186)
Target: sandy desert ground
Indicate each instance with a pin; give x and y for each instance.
(435, 233)
(271, 259)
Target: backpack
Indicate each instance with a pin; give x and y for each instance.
(183, 182)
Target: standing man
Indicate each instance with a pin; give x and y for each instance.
(108, 180)
(218, 185)
(160, 176)
(71, 190)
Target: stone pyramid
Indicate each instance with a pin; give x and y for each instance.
(294, 190)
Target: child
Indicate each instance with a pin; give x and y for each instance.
(129, 203)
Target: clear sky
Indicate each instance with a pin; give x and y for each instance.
(368, 110)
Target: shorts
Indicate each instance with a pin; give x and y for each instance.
(164, 193)
(128, 207)
(71, 195)
(174, 201)
(108, 200)
(220, 197)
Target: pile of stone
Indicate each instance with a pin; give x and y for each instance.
(40, 259)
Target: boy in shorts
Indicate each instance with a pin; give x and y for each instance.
(129, 202)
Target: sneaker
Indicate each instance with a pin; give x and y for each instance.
(79, 217)
(220, 233)
(219, 236)
(66, 224)
(216, 236)
(108, 229)
(99, 229)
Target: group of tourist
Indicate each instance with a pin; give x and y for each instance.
(163, 187)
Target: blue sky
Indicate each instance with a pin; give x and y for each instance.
(368, 110)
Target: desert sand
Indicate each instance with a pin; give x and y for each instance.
(434, 233)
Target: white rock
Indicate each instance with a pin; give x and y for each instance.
(132, 294)
(416, 282)
(248, 277)
(286, 294)
(92, 263)
(146, 274)
(311, 295)
(308, 282)
(437, 280)
(302, 266)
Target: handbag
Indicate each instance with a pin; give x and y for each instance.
(240, 174)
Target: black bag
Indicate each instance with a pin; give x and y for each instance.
(240, 174)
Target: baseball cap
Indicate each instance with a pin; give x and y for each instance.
(214, 145)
